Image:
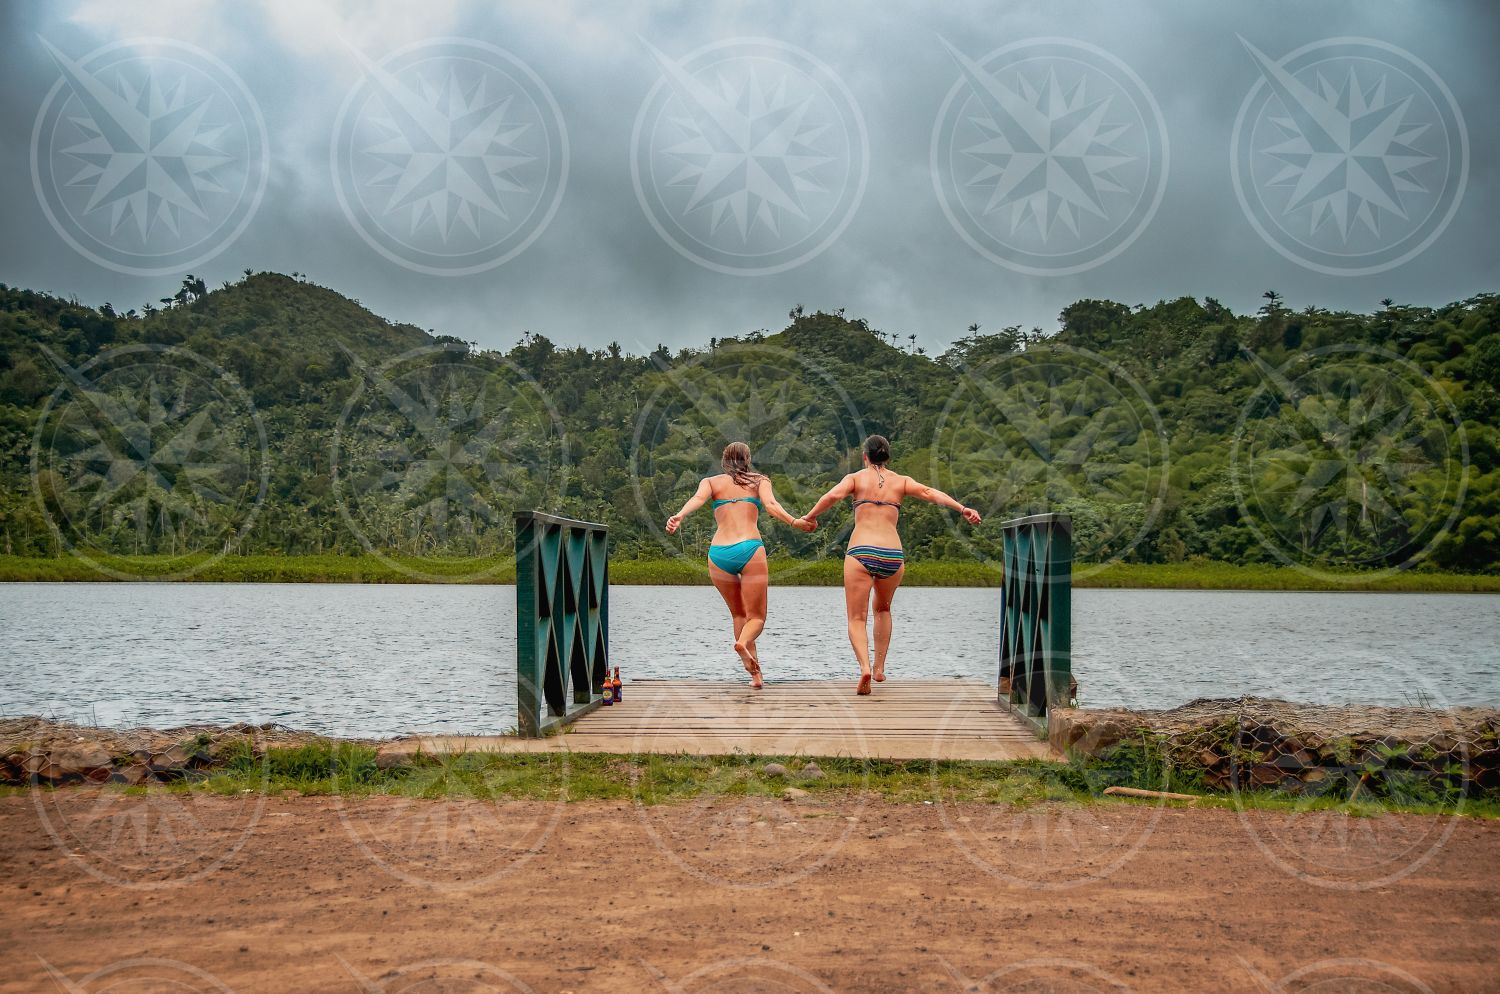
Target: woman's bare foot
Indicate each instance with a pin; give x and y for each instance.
(880, 672)
(864, 685)
(752, 665)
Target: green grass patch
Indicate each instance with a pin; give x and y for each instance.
(350, 769)
(1196, 575)
(261, 569)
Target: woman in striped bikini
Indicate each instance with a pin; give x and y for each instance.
(874, 562)
(737, 555)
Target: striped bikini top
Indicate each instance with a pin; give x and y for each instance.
(882, 503)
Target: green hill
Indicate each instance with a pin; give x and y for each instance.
(273, 416)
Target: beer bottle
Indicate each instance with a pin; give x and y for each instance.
(615, 685)
(607, 690)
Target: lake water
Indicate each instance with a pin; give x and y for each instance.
(380, 660)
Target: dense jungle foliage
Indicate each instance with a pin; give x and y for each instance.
(275, 416)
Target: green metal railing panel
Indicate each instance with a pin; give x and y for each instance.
(1036, 614)
(562, 620)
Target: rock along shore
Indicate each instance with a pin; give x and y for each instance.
(1256, 742)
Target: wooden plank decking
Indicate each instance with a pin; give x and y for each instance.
(903, 719)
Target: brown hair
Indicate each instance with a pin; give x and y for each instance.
(878, 450)
(736, 463)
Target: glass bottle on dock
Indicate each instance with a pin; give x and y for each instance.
(615, 686)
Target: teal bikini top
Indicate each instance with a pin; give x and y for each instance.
(736, 500)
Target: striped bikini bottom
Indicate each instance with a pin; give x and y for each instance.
(879, 563)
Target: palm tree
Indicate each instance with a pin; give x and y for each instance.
(913, 339)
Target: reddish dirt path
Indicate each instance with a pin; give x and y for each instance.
(849, 895)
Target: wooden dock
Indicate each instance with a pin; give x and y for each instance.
(902, 719)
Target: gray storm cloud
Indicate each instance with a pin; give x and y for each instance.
(613, 263)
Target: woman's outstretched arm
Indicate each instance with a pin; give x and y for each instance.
(694, 502)
(773, 506)
(839, 491)
(933, 495)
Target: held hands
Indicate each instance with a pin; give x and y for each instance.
(805, 525)
(970, 515)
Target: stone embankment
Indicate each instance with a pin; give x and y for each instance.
(37, 750)
(1255, 742)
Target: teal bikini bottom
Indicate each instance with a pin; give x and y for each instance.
(733, 558)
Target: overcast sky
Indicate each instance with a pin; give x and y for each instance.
(923, 166)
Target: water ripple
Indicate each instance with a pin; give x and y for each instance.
(386, 659)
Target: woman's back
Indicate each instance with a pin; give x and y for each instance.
(876, 496)
(736, 509)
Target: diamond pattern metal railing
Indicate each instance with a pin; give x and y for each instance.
(1036, 615)
(562, 620)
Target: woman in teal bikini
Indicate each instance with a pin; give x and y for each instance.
(737, 556)
(874, 561)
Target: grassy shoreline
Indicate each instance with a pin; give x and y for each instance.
(332, 767)
(784, 572)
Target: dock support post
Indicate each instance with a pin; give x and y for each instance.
(1036, 616)
(562, 620)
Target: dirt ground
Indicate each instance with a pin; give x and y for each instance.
(851, 894)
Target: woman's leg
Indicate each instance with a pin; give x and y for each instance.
(728, 586)
(754, 580)
(885, 592)
(857, 586)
